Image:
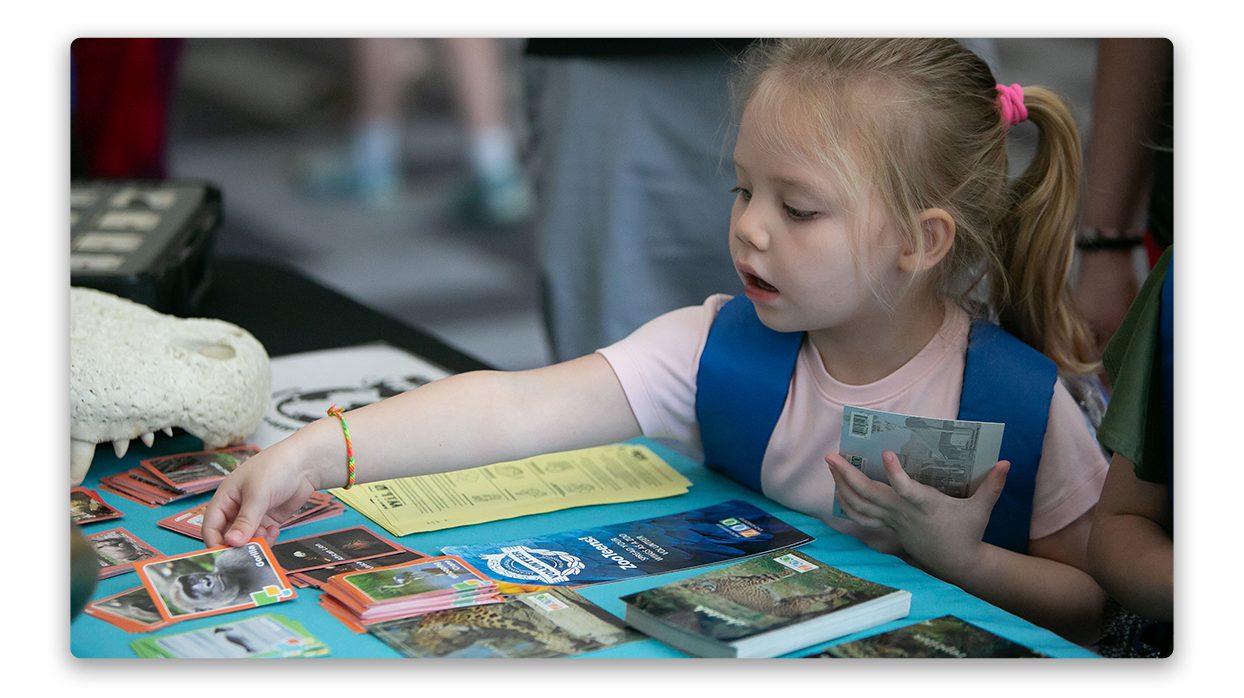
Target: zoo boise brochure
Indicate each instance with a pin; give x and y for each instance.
(216, 580)
(722, 532)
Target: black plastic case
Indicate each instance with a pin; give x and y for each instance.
(146, 240)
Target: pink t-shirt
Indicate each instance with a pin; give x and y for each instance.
(657, 366)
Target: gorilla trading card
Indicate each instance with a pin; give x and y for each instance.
(216, 580)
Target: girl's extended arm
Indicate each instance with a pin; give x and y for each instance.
(1048, 586)
(1131, 552)
(462, 421)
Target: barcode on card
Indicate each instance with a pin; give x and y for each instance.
(861, 424)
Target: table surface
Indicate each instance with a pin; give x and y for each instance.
(297, 315)
(91, 637)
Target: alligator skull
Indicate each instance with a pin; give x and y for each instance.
(133, 371)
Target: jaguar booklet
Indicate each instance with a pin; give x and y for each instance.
(763, 607)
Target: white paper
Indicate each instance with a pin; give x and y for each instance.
(305, 385)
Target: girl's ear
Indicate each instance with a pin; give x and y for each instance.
(938, 230)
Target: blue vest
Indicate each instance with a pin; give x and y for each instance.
(745, 373)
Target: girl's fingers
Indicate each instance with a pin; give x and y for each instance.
(854, 514)
(850, 496)
(899, 479)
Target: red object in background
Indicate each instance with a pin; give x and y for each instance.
(1152, 249)
(121, 90)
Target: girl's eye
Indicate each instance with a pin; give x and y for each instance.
(798, 214)
(747, 195)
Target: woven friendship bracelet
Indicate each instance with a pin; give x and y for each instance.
(335, 411)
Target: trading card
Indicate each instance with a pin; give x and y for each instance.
(190, 521)
(318, 576)
(190, 471)
(216, 580)
(320, 505)
(85, 507)
(141, 486)
(132, 611)
(335, 547)
(446, 575)
(267, 635)
(341, 613)
(118, 550)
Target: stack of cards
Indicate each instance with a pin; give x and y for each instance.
(320, 506)
(262, 636)
(165, 479)
(119, 550)
(85, 507)
(317, 577)
(139, 485)
(216, 580)
(359, 599)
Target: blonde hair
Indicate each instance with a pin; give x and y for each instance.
(917, 121)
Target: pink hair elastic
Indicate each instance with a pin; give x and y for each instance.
(1011, 104)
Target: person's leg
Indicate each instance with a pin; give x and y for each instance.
(500, 191)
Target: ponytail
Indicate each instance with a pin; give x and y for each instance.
(1036, 240)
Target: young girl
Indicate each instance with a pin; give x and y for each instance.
(872, 207)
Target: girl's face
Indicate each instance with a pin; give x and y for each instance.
(805, 262)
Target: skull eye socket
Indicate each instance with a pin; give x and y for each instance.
(212, 350)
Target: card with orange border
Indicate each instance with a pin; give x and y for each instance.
(332, 548)
(216, 580)
(119, 550)
(132, 611)
(198, 471)
(86, 507)
(319, 506)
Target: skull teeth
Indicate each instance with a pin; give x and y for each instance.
(80, 455)
(149, 438)
(168, 430)
(120, 446)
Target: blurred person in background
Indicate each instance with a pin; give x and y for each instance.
(498, 192)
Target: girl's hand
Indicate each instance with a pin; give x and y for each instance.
(267, 489)
(940, 532)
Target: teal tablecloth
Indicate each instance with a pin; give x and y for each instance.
(91, 637)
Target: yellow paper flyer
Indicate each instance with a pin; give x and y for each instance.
(601, 475)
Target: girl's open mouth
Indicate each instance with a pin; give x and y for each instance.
(758, 289)
(760, 283)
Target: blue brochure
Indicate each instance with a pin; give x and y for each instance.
(727, 531)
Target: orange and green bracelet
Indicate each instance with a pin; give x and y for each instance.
(335, 411)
